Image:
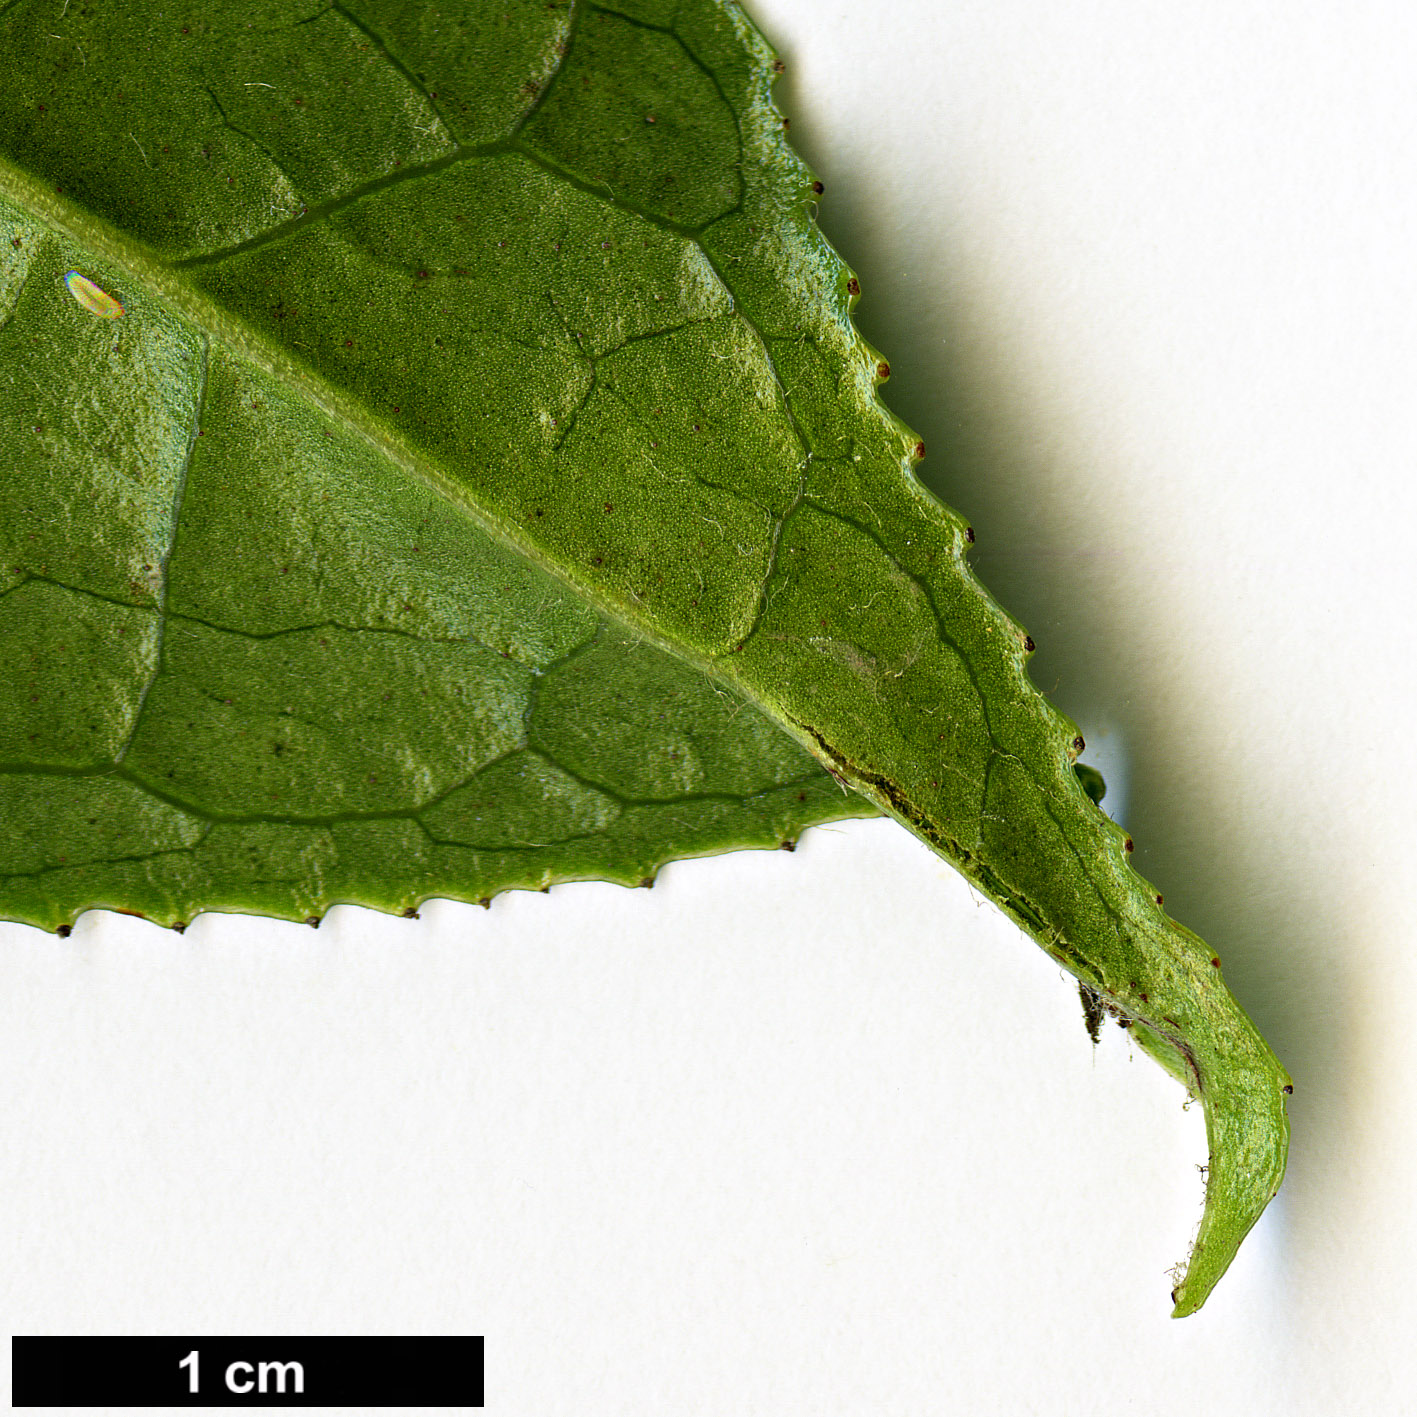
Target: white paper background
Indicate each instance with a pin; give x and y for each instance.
(821, 1133)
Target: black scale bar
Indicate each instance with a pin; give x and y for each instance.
(246, 1372)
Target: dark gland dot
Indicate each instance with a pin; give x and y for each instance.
(853, 286)
(1127, 845)
(920, 450)
(1215, 963)
(1028, 644)
(883, 370)
(969, 535)
(1078, 746)
(818, 188)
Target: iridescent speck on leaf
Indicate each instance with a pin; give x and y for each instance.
(91, 297)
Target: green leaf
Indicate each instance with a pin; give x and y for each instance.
(442, 460)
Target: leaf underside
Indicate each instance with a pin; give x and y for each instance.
(484, 485)
(329, 685)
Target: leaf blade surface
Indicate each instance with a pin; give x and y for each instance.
(590, 314)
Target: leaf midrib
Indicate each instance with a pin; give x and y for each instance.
(160, 280)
